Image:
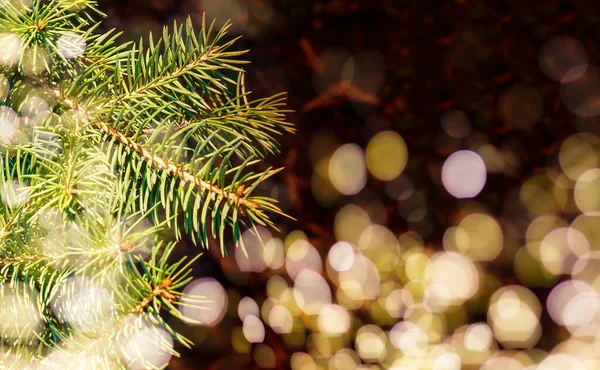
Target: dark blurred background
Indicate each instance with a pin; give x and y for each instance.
(412, 63)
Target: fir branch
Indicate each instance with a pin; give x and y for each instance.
(164, 134)
(184, 175)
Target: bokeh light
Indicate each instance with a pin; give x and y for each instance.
(371, 343)
(578, 154)
(341, 256)
(457, 273)
(386, 155)
(254, 330)
(347, 169)
(213, 313)
(586, 194)
(9, 123)
(85, 306)
(247, 307)
(464, 174)
(581, 95)
(334, 320)
(20, 318)
(563, 59)
(456, 123)
(513, 315)
(477, 235)
(574, 304)
(70, 45)
(224, 10)
(146, 349)
(311, 292)
(12, 49)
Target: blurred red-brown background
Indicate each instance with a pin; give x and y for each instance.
(428, 70)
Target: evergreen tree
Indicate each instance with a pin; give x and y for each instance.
(111, 154)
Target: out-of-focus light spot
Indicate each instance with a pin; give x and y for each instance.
(587, 193)
(578, 154)
(9, 123)
(333, 320)
(563, 59)
(529, 270)
(398, 303)
(347, 169)
(582, 94)
(586, 269)
(562, 361)
(280, 319)
(414, 208)
(513, 315)
(333, 66)
(247, 307)
(350, 222)
(20, 319)
(477, 236)
(254, 330)
(302, 361)
(503, 363)
(35, 60)
(35, 111)
(560, 249)
(436, 298)
(14, 194)
(457, 273)
(386, 155)
(252, 260)
(214, 311)
(542, 195)
(520, 106)
(587, 224)
(344, 359)
(456, 123)
(85, 306)
(455, 239)
(341, 256)
(464, 174)
(361, 281)
(18, 5)
(478, 337)
(322, 188)
(400, 188)
(276, 286)
(492, 157)
(12, 49)
(368, 76)
(301, 255)
(542, 225)
(322, 145)
(370, 343)
(71, 45)
(311, 292)
(573, 304)
(417, 267)
(273, 254)
(148, 348)
(408, 338)
(265, 356)
(447, 361)
(380, 245)
(224, 10)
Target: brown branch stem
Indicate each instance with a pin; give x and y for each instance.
(157, 161)
(173, 169)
